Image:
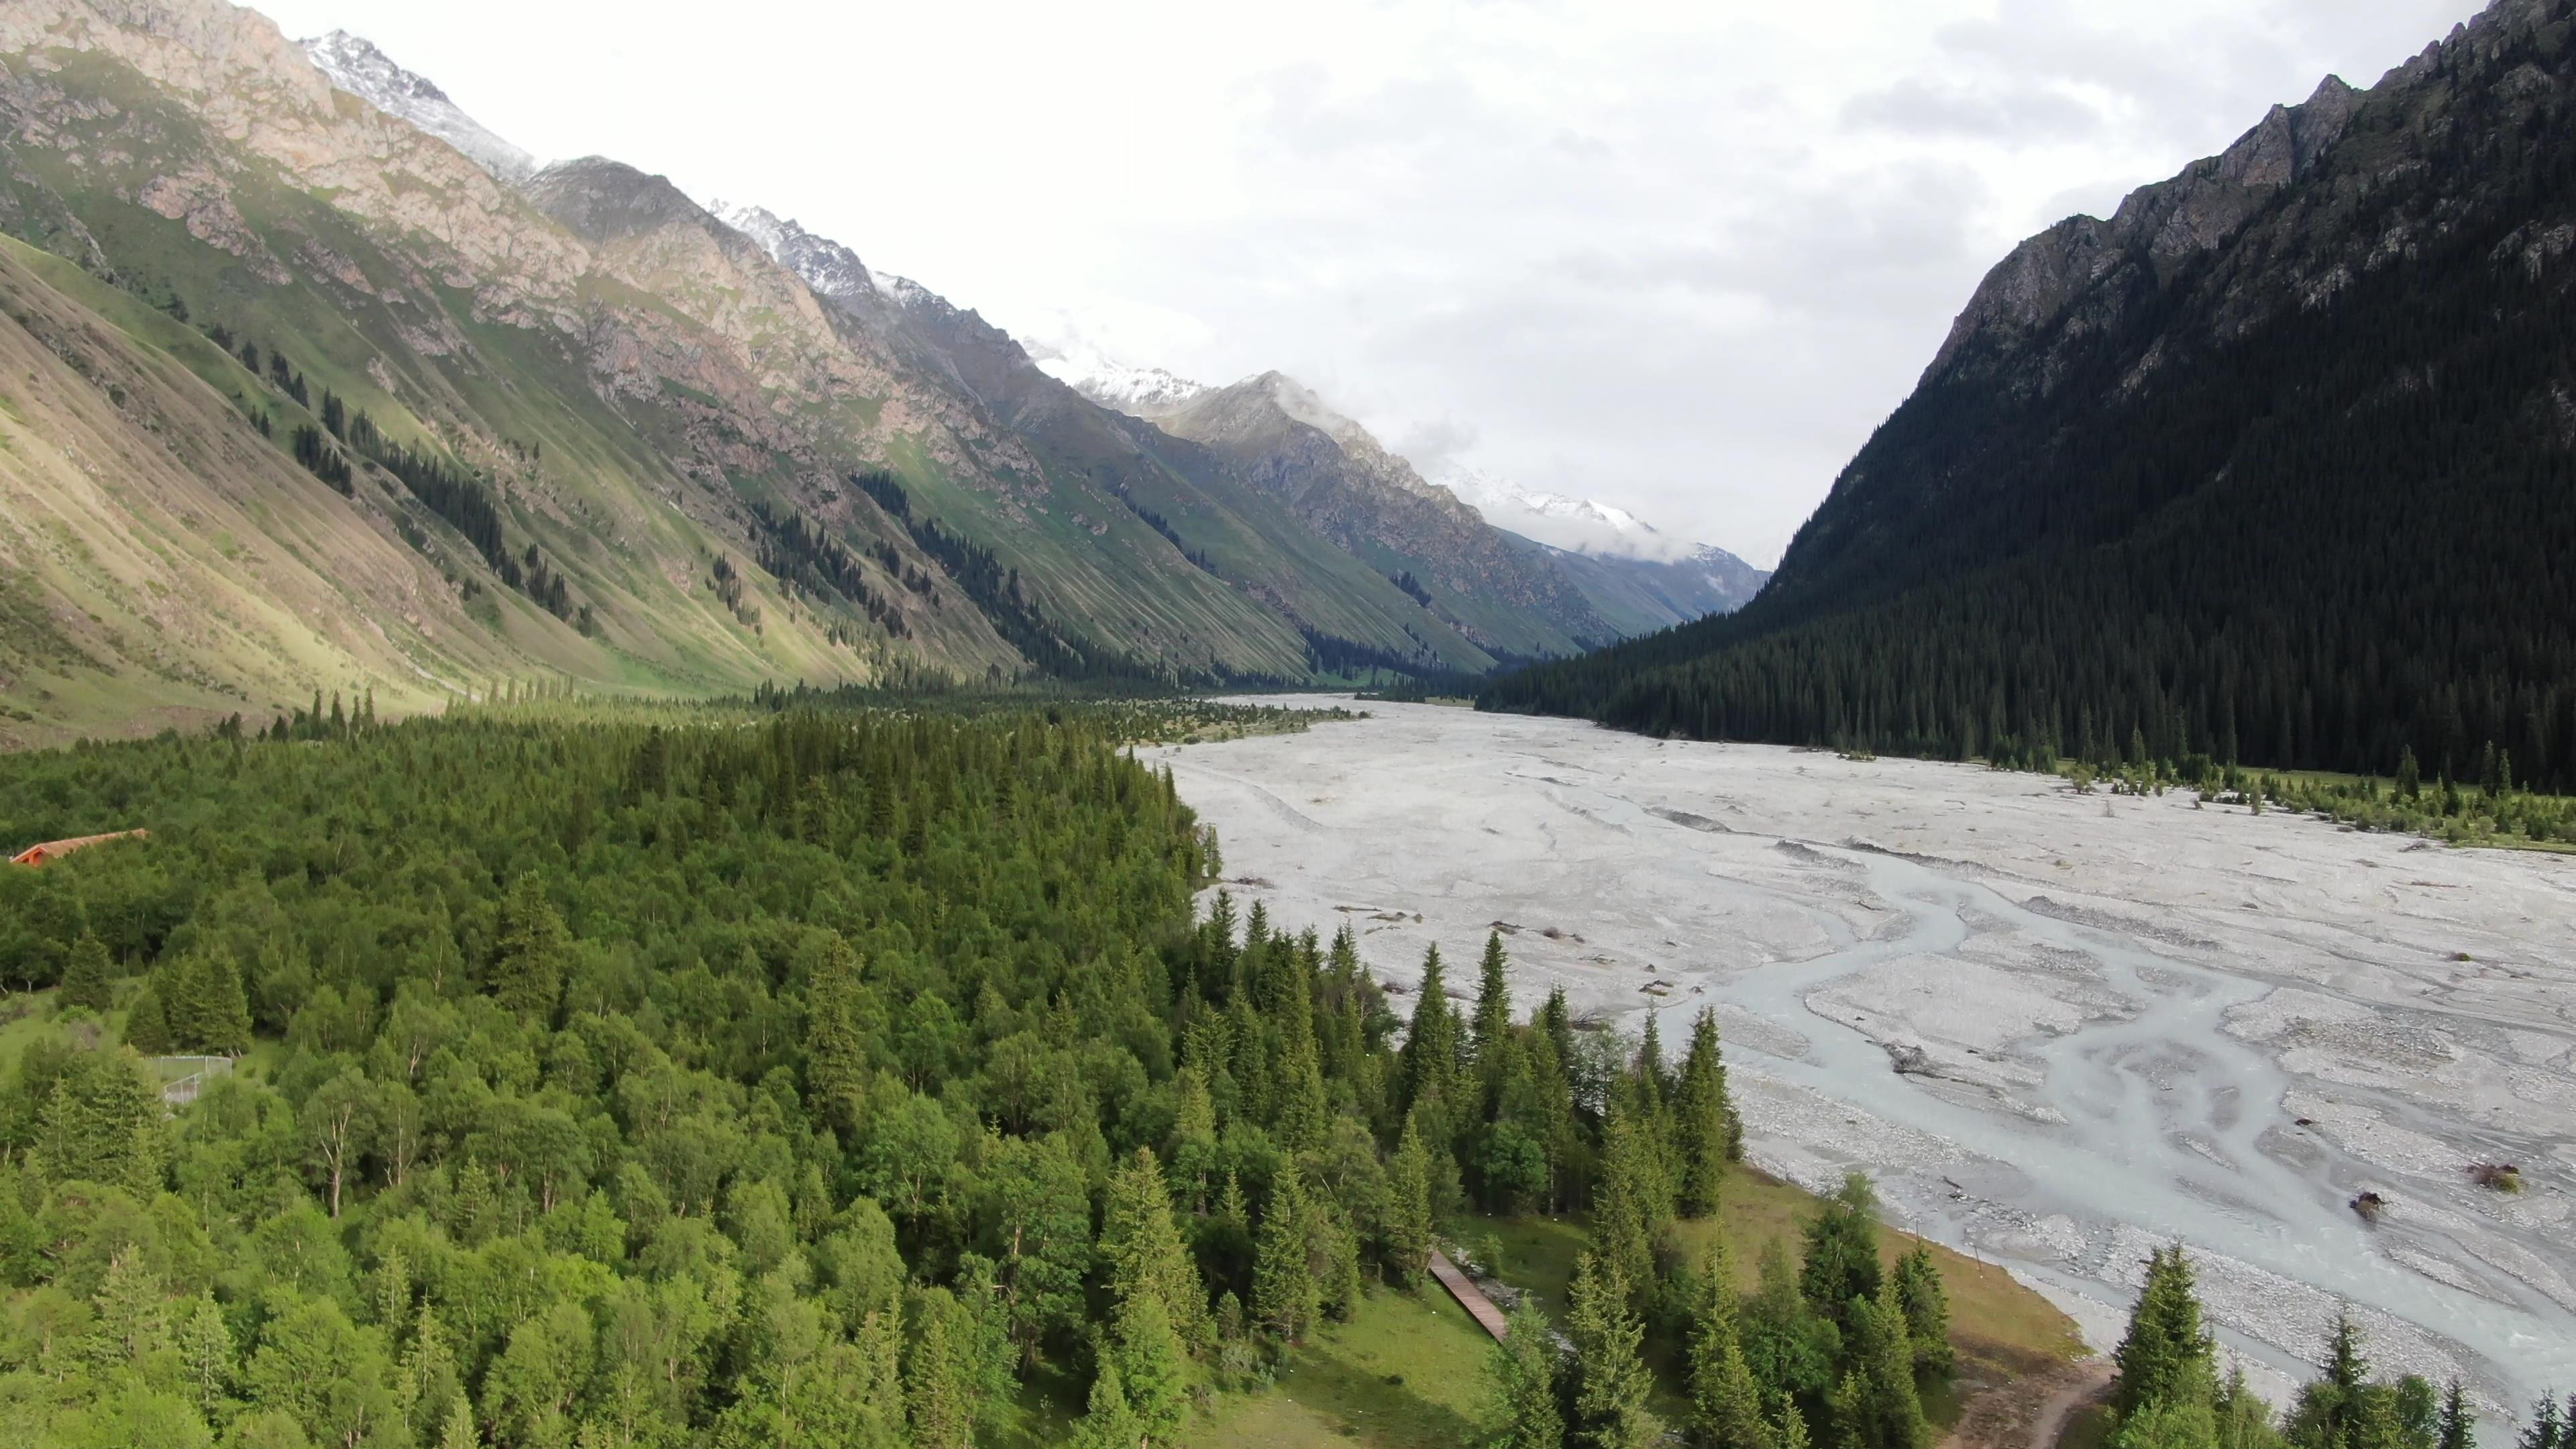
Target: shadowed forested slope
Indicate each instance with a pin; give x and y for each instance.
(2278, 465)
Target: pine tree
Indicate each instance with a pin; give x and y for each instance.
(85, 978)
(1523, 1369)
(1285, 1296)
(1926, 1306)
(1613, 1382)
(2166, 1343)
(1704, 1121)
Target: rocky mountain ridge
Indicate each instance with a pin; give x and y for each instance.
(626, 435)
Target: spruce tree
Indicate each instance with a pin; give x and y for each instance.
(2459, 1425)
(1613, 1383)
(1493, 1020)
(1882, 1357)
(1152, 1366)
(535, 955)
(1841, 1263)
(1706, 1131)
(85, 977)
(938, 1396)
(2546, 1429)
(1408, 1208)
(1143, 1247)
(840, 1022)
(1285, 1296)
(1108, 1420)
(1630, 1205)
(2165, 1344)
(1926, 1306)
(1523, 1369)
(1431, 1044)
(1726, 1404)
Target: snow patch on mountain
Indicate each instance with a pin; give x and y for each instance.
(1581, 525)
(1143, 392)
(355, 65)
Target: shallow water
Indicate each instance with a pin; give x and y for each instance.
(2060, 1139)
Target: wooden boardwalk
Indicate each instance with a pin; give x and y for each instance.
(1469, 1296)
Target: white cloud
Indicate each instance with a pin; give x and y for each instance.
(1682, 257)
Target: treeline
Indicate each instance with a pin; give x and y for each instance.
(2324, 542)
(797, 549)
(462, 500)
(996, 590)
(2168, 1393)
(1163, 526)
(1333, 654)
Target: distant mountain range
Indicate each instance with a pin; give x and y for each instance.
(1635, 578)
(329, 387)
(2277, 464)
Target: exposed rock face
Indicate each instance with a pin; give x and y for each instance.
(356, 66)
(2084, 275)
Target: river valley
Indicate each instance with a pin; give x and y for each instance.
(2057, 1028)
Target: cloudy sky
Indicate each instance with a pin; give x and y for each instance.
(1680, 258)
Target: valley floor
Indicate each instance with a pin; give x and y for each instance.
(2058, 1028)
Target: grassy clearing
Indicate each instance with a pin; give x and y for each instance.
(1407, 1370)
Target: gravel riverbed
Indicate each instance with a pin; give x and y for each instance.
(2057, 1028)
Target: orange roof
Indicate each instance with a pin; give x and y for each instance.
(39, 854)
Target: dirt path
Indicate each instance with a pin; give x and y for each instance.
(2032, 1411)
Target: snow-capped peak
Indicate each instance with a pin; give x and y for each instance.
(355, 65)
(1582, 525)
(1143, 392)
(831, 269)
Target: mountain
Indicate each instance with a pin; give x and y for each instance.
(1281, 573)
(1141, 391)
(1640, 578)
(1327, 470)
(356, 66)
(568, 425)
(2276, 464)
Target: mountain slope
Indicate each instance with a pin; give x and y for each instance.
(2275, 464)
(356, 66)
(1327, 470)
(1638, 577)
(1642, 595)
(1317, 597)
(635, 445)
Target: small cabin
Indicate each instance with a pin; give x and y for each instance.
(39, 854)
